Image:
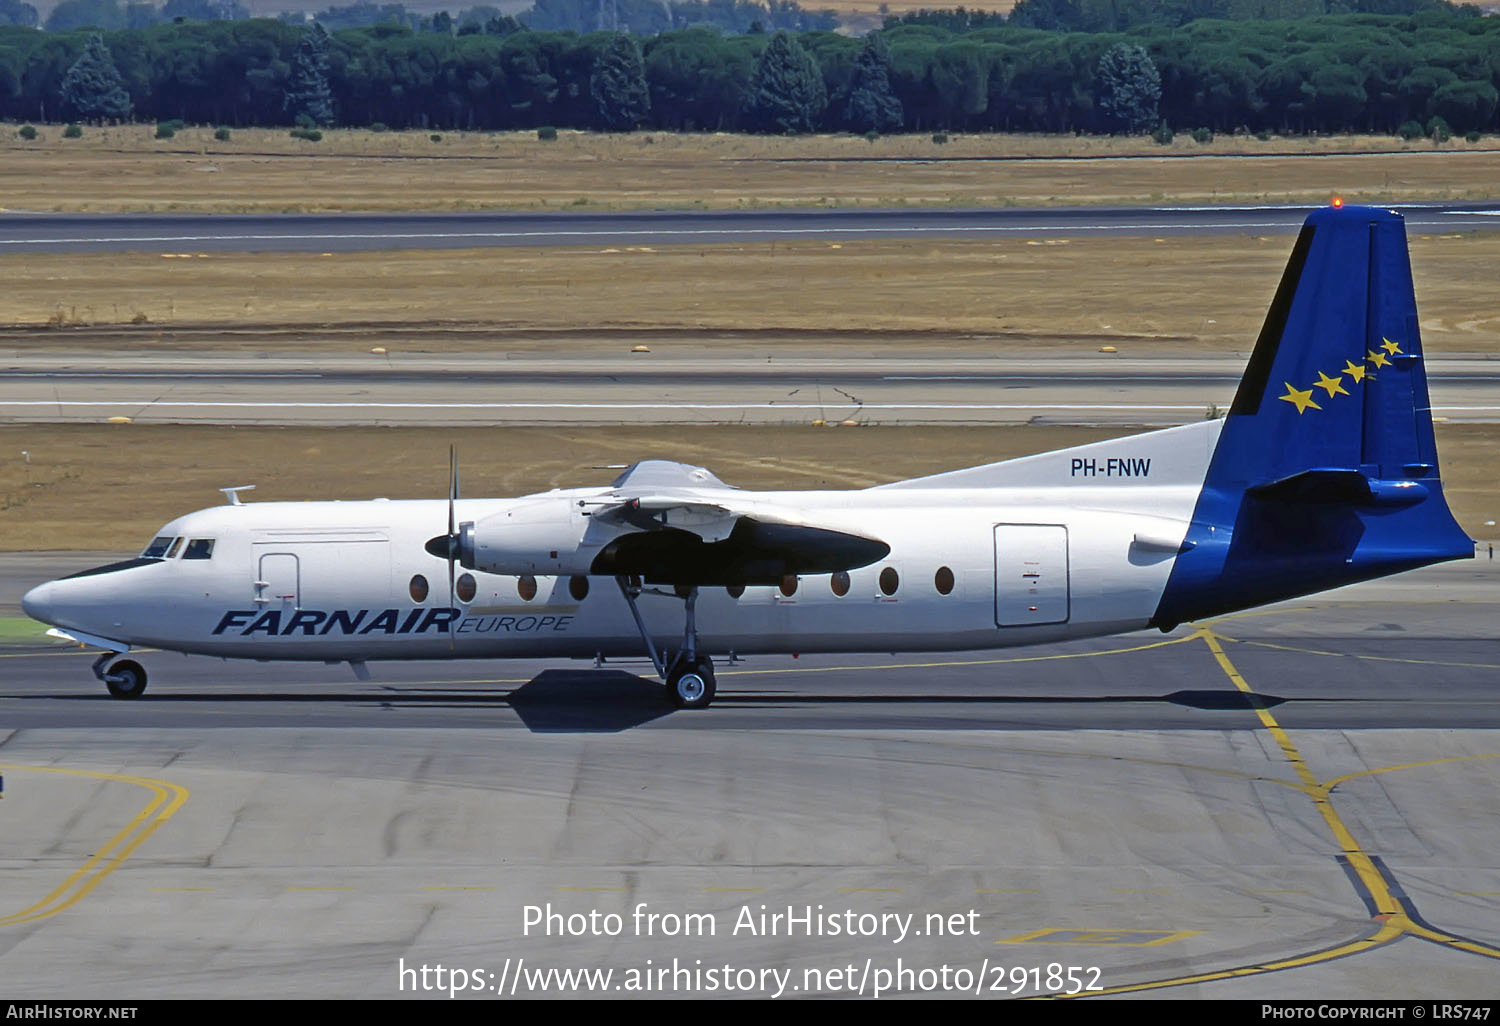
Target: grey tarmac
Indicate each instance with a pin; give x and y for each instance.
(64, 233)
(285, 830)
(691, 387)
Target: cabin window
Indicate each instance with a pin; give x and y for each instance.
(889, 580)
(526, 587)
(172, 549)
(839, 582)
(578, 587)
(789, 585)
(158, 547)
(735, 590)
(943, 580)
(418, 588)
(199, 548)
(466, 587)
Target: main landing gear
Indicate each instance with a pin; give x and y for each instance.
(126, 678)
(689, 675)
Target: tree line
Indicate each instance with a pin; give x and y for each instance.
(639, 17)
(1331, 73)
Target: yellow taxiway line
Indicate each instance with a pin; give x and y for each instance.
(166, 800)
(1392, 918)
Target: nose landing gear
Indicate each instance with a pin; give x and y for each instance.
(126, 678)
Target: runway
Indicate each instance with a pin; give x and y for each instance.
(63, 233)
(1296, 803)
(418, 389)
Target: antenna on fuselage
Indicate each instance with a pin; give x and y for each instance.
(233, 494)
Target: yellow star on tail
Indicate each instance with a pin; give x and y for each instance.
(1301, 400)
(1389, 346)
(1330, 385)
(1357, 373)
(1378, 359)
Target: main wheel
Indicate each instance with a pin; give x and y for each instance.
(126, 679)
(692, 686)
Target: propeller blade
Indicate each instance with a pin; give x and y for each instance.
(452, 487)
(452, 529)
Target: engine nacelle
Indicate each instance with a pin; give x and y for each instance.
(539, 536)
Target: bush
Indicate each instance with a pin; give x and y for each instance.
(1472, 137)
(1163, 134)
(871, 136)
(1263, 135)
(546, 133)
(222, 133)
(1203, 135)
(73, 131)
(378, 126)
(175, 124)
(1438, 130)
(940, 137)
(26, 132)
(435, 137)
(1410, 130)
(165, 131)
(309, 134)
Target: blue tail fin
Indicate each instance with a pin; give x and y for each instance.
(1326, 470)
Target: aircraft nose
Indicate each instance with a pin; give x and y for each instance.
(37, 603)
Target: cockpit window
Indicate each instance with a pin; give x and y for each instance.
(158, 547)
(199, 548)
(172, 552)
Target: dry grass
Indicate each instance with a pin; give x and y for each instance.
(1193, 294)
(110, 487)
(261, 170)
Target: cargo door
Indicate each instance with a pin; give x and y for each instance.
(1031, 574)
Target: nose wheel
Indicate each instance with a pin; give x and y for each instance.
(125, 678)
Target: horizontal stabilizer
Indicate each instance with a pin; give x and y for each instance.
(1341, 485)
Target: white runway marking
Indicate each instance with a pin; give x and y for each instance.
(169, 375)
(218, 404)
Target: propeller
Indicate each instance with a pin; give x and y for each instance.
(452, 526)
(446, 546)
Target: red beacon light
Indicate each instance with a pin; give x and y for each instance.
(1338, 201)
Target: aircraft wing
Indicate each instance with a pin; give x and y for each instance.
(710, 521)
(690, 528)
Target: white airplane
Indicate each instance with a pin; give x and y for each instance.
(1323, 472)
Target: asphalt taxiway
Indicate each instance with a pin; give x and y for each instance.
(472, 389)
(22, 232)
(1297, 802)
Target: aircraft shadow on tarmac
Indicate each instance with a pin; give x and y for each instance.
(608, 701)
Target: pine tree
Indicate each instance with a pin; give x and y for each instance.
(1127, 89)
(872, 106)
(92, 89)
(786, 92)
(307, 96)
(622, 99)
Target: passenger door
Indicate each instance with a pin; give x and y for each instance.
(278, 581)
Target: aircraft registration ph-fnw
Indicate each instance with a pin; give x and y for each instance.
(1323, 472)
